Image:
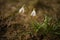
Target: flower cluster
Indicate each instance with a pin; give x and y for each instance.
(22, 10)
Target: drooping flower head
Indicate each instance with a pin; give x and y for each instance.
(22, 9)
(33, 13)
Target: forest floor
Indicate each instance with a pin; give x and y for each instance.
(18, 26)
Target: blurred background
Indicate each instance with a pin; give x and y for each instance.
(18, 26)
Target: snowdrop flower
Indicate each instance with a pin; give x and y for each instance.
(21, 10)
(33, 13)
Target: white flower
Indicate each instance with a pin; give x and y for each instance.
(33, 13)
(21, 10)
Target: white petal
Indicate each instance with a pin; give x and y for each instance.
(33, 13)
(21, 10)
